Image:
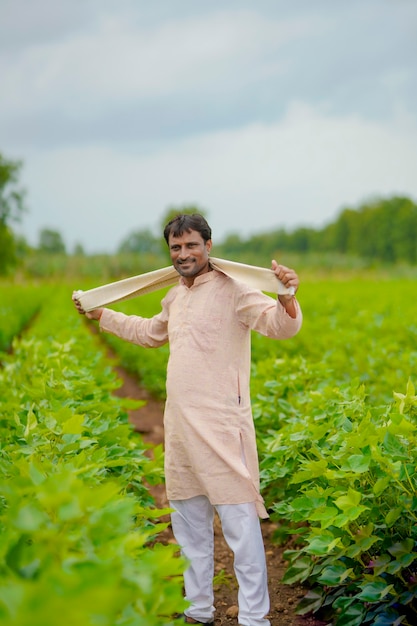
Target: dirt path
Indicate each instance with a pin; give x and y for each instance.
(148, 420)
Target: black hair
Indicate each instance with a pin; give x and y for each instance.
(185, 223)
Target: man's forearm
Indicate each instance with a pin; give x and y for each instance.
(289, 304)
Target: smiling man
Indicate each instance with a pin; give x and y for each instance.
(189, 253)
(211, 461)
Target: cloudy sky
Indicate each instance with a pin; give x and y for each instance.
(264, 113)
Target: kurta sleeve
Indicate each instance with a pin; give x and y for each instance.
(267, 316)
(147, 332)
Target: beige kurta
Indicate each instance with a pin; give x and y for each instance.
(210, 446)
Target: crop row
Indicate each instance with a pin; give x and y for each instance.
(17, 307)
(78, 528)
(336, 417)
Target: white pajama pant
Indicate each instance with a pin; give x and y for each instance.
(192, 525)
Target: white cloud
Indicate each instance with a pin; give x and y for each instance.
(119, 59)
(298, 171)
(267, 115)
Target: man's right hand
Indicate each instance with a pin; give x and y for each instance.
(95, 314)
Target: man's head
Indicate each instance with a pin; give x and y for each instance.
(189, 241)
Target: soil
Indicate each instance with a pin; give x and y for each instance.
(148, 421)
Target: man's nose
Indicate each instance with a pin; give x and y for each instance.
(183, 252)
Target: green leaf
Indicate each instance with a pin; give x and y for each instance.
(29, 518)
(394, 447)
(400, 563)
(31, 422)
(311, 602)
(322, 545)
(70, 510)
(374, 591)
(306, 504)
(334, 575)
(342, 603)
(388, 618)
(74, 425)
(409, 399)
(351, 499)
(402, 548)
(312, 469)
(352, 616)
(358, 463)
(324, 514)
(36, 472)
(393, 515)
(361, 544)
(381, 484)
(299, 571)
(380, 563)
(349, 515)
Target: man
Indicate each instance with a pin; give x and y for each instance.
(211, 459)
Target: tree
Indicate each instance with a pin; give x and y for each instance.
(11, 196)
(50, 241)
(11, 209)
(347, 233)
(8, 257)
(232, 245)
(300, 239)
(141, 242)
(79, 250)
(186, 209)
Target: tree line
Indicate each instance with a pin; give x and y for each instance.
(382, 230)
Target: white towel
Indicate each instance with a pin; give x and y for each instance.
(256, 277)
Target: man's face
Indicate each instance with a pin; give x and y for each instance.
(189, 254)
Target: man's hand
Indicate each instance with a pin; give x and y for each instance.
(289, 278)
(286, 275)
(95, 314)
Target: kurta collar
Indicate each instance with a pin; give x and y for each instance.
(199, 280)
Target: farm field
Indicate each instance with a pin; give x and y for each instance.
(335, 411)
(78, 524)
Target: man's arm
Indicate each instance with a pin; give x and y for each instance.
(147, 332)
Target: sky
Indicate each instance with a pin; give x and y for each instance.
(264, 114)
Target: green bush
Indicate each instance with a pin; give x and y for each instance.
(341, 477)
(78, 527)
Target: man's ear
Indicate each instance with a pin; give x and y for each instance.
(209, 245)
